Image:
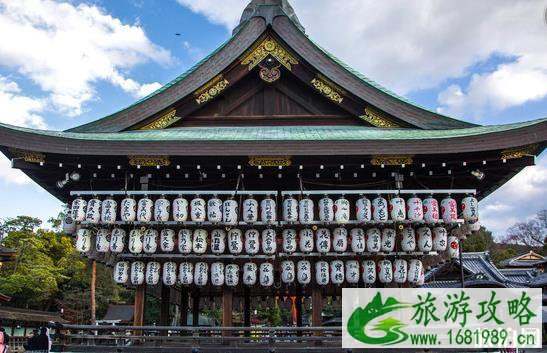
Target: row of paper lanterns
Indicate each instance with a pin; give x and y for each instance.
(217, 211)
(336, 272)
(252, 241)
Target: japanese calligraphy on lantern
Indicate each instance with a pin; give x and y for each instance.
(441, 318)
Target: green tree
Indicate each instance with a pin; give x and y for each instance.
(479, 241)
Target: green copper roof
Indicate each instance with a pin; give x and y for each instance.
(282, 133)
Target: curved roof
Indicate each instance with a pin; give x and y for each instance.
(268, 10)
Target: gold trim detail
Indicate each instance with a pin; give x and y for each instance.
(378, 119)
(519, 152)
(391, 160)
(269, 46)
(166, 120)
(270, 161)
(149, 161)
(328, 89)
(211, 89)
(28, 156)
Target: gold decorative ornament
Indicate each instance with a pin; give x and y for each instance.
(391, 160)
(519, 152)
(270, 161)
(28, 156)
(211, 89)
(328, 89)
(149, 161)
(269, 46)
(164, 121)
(378, 119)
(270, 75)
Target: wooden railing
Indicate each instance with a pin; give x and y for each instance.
(70, 338)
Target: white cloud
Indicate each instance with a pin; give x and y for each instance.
(519, 199)
(66, 49)
(18, 109)
(12, 176)
(413, 45)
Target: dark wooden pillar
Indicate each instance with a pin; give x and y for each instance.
(183, 307)
(227, 308)
(92, 285)
(165, 305)
(247, 309)
(195, 309)
(299, 311)
(138, 309)
(317, 307)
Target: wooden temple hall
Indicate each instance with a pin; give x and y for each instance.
(271, 169)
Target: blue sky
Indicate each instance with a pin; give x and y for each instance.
(71, 62)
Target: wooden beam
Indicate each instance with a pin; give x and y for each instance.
(317, 307)
(227, 307)
(138, 310)
(247, 309)
(164, 305)
(195, 309)
(92, 285)
(183, 307)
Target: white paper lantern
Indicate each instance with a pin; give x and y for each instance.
(79, 206)
(305, 211)
(235, 241)
(199, 241)
(474, 226)
(431, 210)
(400, 270)
(425, 239)
(169, 273)
(470, 209)
(197, 210)
(230, 212)
(287, 272)
(201, 274)
(69, 225)
(326, 209)
(323, 241)
(121, 272)
(453, 247)
(250, 210)
(449, 210)
(389, 237)
(289, 241)
(374, 240)
(269, 241)
(93, 212)
(303, 273)
(137, 273)
(421, 279)
(150, 243)
(217, 274)
(180, 209)
(102, 241)
(290, 209)
(214, 210)
(251, 242)
(369, 272)
(117, 240)
(128, 210)
(385, 271)
(340, 240)
(415, 269)
(415, 209)
(144, 210)
(268, 211)
(380, 209)
(397, 209)
(231, 275)
(162, 209)
(322, 273)
(185, 241)
(440, 238)
(167, 240)
(408, 241)
(218, 242)
(358, 243)
(153, 273)
(250, 274)
(337, 272)
(342, 210)
(186, 273)
(352, 271)
(135, 244)
(363, 208)
(83, 240)
(266, 274)
(305, 241)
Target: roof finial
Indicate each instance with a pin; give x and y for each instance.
(268, 9)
